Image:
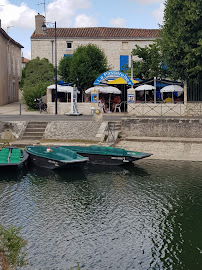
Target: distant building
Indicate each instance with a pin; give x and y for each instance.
(24, 61)
(117, 43)
(10, 68)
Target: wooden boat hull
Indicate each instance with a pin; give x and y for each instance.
(15, 165)
(56, 158)
(51, 163)
(107, 159)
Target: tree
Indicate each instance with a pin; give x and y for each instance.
(182, 38)
(11, 248)
(87, 64)
(151, 62)
(37, 75)
(64, 68)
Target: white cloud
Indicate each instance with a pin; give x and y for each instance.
(159, 13)
(118, 22)
(85, 21)
(63, 11)
(27, 54)
(18, 16)
(146, 2)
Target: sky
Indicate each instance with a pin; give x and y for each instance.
(18, 17)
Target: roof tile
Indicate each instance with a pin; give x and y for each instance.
(100, 32)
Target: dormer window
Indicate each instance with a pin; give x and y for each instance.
(69, 45)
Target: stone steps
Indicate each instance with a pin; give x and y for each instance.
(34, 131)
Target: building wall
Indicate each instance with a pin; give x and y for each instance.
(10, 71)
(112, 48)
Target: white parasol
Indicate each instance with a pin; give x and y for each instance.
(104, 90)
(62, 88)
(144, 87)
(172, 88)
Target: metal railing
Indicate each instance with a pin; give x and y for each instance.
(154, 109)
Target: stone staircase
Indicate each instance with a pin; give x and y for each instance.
(34, 131)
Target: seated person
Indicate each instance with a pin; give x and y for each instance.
(168, 99)
(116, 100)
(101, 103)
(106, 109)
(179, 99)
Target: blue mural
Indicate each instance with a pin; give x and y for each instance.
(115, 74)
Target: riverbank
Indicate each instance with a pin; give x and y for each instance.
(176, 138)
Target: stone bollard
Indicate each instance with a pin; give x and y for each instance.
(98, 116)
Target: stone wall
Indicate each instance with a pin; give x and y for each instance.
(65, 107)
(12, 130)
(155, 127)
(167, 150)
(111, 47)
(73, 130)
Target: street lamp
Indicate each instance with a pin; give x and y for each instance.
(56, 90)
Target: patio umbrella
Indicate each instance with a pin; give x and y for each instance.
(172, 88)
(62, 88)
(104, 90)
(144, 87)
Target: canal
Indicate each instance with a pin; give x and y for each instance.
(146, 216)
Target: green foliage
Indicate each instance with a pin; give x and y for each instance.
(182, 38)
(87, 64)
(37, 75)
(31, 92)
(11, 248)
(64, 68)
(150, 63)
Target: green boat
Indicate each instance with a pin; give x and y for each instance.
(12, 158)
(53, 157)
(107, 155)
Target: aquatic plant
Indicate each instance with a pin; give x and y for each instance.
(11, 248)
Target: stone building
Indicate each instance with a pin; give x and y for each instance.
(10, 68)
(117, 43)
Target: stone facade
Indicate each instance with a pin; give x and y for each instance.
(165, 127)
(42, 45)
(73, 130)
(10, 68)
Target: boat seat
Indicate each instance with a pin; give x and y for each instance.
(16, 152)
(14, 159)
(3, 159)
(5, 150)
(65, 152)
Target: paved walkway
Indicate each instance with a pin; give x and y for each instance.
(18, 112)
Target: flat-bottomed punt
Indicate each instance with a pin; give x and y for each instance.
(53, 158)
(13, 158)
(107, 155)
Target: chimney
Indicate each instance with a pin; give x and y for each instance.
(39, 21)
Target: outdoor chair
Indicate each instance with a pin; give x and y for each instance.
(117, 107)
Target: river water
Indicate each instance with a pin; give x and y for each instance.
(146, 216)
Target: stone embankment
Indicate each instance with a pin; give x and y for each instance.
(165, 138)
(168, 138)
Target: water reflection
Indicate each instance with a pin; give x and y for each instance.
(145, 216)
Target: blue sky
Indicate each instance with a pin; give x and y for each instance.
(18, 17)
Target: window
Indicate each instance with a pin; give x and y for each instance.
(69, 45)
(124, 45)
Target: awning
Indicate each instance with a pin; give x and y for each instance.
(120, 81)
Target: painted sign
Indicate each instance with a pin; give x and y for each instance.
(131, 98)
(94, 98)
(113, 73)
